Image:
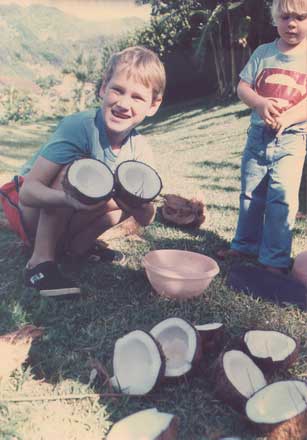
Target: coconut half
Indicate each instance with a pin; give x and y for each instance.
(271, 350)
(138, 363)
(149, 424)
(89, 180)
(280, 409)
(136, 183)
(181, 345)
(212, 336)
(237, 378)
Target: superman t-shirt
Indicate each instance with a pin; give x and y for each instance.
(277, 75)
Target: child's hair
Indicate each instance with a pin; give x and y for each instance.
(288, 7)
(140, 63)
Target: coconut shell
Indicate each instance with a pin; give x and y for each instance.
(224, 389)
(128, 198)
(171, 432)
(268, 365)
(181, 211)
(151, 419)
(294, 428)
(212, 339)
(77, 194)
(195, 362)
(161, 374)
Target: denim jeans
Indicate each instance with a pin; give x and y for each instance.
(271, 171)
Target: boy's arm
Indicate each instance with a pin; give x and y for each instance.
(36, 190)
(294, 115)
(267, 108)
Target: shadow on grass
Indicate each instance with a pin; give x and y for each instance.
(170, 115)
(218, 165)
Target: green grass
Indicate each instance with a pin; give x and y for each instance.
(198, 148)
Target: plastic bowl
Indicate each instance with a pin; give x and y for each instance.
(179, 274)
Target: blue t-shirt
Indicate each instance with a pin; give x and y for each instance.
(278, 75)
(83, 135)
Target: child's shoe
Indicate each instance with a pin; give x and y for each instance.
(47, 278)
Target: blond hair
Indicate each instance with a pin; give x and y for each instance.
(140, 63)
(288, 7)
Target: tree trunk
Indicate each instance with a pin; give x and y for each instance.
(233, 70)
(218, 69)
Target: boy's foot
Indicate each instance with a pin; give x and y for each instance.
(47, 278)
(231, 253)
(105, 255)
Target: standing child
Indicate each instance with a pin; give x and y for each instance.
(274, 84)
(46, 216)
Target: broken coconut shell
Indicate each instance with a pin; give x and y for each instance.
(280, 409)
(271, 350)
(136, 183)
(212, 336)
(181, 345)
(237, 378)
(89, 181)
(138, 363)
(149, 424)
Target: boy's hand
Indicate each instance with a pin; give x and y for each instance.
(143, 214)
(72, 202)
(268, 110)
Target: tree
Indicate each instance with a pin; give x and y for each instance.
(227, 29)
(85, 70)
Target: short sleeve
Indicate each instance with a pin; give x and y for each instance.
(68, 143)
(249, 72)
(143, 151)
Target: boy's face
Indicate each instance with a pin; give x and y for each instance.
(292, 28)
(126, 102)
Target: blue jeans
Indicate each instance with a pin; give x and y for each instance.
(271, 171)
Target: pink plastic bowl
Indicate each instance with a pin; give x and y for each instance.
(179, 274)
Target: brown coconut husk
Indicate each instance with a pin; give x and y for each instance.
(212, 339)
(127, 228)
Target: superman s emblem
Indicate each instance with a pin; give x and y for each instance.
(286, 87)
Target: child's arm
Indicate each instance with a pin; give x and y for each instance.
(294, 115)
(267, 108)
(36, 190)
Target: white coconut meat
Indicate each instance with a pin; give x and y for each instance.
(137, 363)
(179, 342)
(209, 327)
(91, 177)
(148, 424)
(278, 402)
(139, 179)
(243, 373)
(269, 344)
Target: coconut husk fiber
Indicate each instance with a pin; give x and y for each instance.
(261, 283)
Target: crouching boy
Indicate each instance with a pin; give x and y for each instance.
(35, 203)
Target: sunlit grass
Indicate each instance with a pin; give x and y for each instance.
(198, 148)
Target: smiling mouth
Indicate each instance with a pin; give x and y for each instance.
(119, 115)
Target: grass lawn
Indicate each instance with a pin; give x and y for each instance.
(198, 148)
